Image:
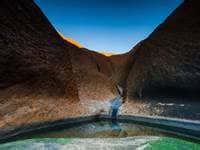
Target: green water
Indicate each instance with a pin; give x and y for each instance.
(166, 143)
(102, 136)
(152, 143)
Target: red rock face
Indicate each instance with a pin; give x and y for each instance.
(30, 46)
(167, 62)
(93, 73)
(43, 77)
(36, 77)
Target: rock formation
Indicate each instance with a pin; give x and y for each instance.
(43, 76)
(168, 61)
(35, 67)
(93, 72)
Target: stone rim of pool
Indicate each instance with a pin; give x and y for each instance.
(183, 128)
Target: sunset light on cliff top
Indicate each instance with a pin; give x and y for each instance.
(74, 42)
(70, 40)
(106, 53)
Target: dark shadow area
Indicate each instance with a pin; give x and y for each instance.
(192, 94)
(180, 108)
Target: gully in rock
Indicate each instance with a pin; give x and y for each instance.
(114, 108)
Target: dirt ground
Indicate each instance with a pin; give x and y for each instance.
(167, 107)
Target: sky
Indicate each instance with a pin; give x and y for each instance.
(107, 25)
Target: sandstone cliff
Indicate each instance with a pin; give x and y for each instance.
(36, 76)
(43, 76)
(93, 72)
(168, 61)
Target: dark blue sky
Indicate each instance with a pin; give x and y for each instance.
(107, 25)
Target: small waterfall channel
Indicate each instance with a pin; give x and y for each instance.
(114, 109)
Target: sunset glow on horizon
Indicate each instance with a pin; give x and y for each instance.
(74, 42)
(70, 40)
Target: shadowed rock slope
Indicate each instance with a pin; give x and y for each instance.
(36, 77)
(94, 74)
(168, 61)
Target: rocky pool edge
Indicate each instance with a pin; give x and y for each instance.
(182, 127)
